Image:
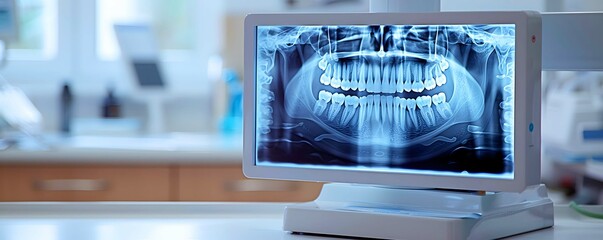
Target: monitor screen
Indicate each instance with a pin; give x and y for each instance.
(147, 73)
(430, 99)
(442, 100)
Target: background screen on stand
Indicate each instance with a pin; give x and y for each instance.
(416, 99)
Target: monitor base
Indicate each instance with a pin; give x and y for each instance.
(393, 213)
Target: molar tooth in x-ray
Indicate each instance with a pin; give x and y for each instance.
(325, 78)
(424, 104)
(336, 79)
(417, 77)
(436, 99)
(323, 98)
(441, 80)
(436, 71)
(430, 82)
(411, 105)
(353, 75)
(443, 108)
(444, 64)
(418, 86)
(331, 68)
(322, 64)
(351, 103)
(346, 85)
(337, 100)
(428, 71)
(421, 102)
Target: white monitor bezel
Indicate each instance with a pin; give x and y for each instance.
(527, 100)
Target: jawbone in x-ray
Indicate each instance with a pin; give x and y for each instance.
(422, 99)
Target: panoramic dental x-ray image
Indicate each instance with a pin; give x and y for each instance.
(421, 99)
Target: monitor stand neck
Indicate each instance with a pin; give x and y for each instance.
(394, 213)
(155, 115)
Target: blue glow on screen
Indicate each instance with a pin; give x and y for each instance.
(419, 99)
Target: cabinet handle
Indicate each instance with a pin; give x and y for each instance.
(71, 185)
(259, 186)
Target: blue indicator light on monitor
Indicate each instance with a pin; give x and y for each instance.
(531, 127)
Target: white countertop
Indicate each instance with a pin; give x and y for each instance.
(183, 148)
(188, 221)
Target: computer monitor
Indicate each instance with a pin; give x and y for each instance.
(432, 100)
(140, 50)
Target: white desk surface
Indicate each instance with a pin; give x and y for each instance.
(168, 149)
(190, 221)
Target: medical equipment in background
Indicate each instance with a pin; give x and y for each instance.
(572, 121)
(139, 50)
(573, 134)
(18, 116)
(232, 121)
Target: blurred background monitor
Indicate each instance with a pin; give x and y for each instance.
(139, 49)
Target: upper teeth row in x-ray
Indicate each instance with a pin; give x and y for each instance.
(383, 78)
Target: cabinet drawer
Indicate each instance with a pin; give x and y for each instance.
(84, 183)
(227, 183)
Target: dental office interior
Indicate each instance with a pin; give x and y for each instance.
(132, 100)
